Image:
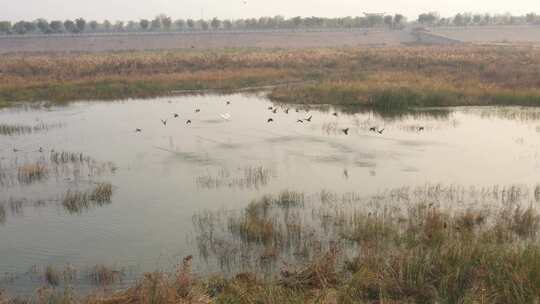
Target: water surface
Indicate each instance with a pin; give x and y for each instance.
(164, 175)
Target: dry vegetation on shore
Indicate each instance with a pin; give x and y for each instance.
(378, 77)
(410, 245)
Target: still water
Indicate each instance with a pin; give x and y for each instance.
(228, 155)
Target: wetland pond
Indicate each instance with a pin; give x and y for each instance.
(80, 187)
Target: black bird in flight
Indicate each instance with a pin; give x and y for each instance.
(176, 115)
(188, 122)
(373, 129)
(270, 120)
(164, 122)
(138, 130)
(346, 131)
(274, 111)
(270, 108)
(335, 114)
(380, 131)
(228, 102)
(300, 121)
(197, 111)
(420, 129)
(297, 110)
(287, 111)
(309, 118)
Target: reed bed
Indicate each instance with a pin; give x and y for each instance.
(102, 275)
(406, 245)
(19, 129)
(386, 78)
(3, 214)
(56, 164)
(249, 177)
(76, 201)
(52, 276)
(31, 173)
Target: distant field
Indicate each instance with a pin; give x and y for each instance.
(509, 34)
(267, 39)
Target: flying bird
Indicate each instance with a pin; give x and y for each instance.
(270, 120)
(346, 131)
(164, 122)
(188, 122)
(373, 129)
(138, 130)
(300, 121)
(309, 119)
(286, 111)
(420, 129)
(274, 111)
(197, 111)
(335, 114)
(380, 131)
(270, 108)
(228, 103)
(176, 115)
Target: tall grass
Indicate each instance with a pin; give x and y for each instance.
(385, 78)
(76, 201)
(31, 173)
(429, 244)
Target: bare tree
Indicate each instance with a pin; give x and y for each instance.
(144, 24)
(93, 25)
(215, 23)
(5, 27)
(180, 24)
(43, 26)
(57, 26)
(70, 26)
(191, 24)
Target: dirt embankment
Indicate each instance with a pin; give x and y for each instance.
(289, 39)
(492, 34)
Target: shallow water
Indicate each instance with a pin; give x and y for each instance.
(163, 175)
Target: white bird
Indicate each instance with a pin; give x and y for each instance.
(225, 116)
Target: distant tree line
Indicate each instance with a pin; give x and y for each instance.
(163, 23)
(470, 19)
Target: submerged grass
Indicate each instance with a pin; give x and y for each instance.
(390, 78)
(31, 173)
(75, 201)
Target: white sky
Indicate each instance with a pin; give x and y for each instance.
(137, 9)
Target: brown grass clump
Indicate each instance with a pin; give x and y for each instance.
(101, 275)
(31, 173)
(52, 276)
(321, 273)
(158, 287)
(75, 201)
(101, 193)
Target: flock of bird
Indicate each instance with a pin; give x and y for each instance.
(274, 110)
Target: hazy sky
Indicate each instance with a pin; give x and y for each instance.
(136, 9)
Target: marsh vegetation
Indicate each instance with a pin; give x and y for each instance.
(386, 79)
(436, 243)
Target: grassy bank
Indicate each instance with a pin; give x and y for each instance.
(401, 246)
(375, 77)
